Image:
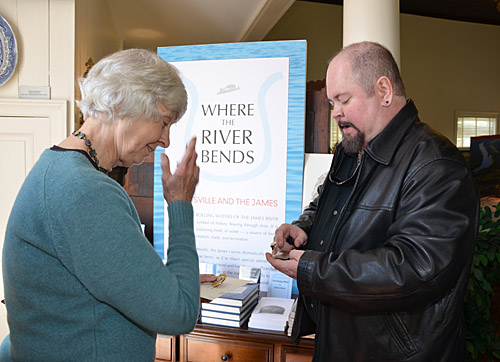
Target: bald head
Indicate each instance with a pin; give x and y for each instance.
(369, 61)
(365, 90)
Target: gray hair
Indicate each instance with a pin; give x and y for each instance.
(370, 61)
(129, 84)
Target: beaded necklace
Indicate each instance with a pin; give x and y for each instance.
(92, 151)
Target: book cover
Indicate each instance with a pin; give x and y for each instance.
(271, 313)
(250, 274)
(239, 296)
(230, 316)
(225, 322)
(231, 309)
(280, 285)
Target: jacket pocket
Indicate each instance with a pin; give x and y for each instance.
(399, 333)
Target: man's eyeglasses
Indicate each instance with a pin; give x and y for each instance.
(336, 180)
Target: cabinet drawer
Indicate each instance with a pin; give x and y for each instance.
(165, 348)
(206, 349)
(296, 354)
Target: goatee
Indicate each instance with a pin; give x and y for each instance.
(352, 144)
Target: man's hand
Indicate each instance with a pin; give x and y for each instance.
(299, 237)
(182, 184)
(288, 267)
(286, 231)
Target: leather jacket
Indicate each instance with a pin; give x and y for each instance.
(391, 285)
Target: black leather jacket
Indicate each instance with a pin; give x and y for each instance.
(391, 286)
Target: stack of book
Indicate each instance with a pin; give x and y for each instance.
(231, 309)
(271, 313)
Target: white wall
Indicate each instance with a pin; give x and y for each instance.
(45, 38)
(450, 66)
(320, 24)
(447, 66)
(96, 37)
(55, 39)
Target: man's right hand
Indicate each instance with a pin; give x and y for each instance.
(287, 231)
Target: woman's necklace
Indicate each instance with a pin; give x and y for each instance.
(92, 151)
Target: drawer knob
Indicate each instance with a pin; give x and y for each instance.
(224, 357)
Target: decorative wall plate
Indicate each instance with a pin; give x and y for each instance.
(8, 51)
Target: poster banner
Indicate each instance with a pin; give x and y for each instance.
(246, 108)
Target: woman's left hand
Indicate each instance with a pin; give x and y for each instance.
(182, 184)
(207, 278)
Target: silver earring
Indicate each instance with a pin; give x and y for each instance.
(386, 102)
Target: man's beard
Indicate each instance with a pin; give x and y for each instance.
(352, 144)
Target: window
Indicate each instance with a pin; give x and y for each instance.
(472, 124)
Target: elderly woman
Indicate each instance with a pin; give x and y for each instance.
(82, 283)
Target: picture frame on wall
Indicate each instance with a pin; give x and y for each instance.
(484, 164)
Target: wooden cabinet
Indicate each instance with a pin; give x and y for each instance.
(290, 353)
(207, 343)
(206, 348)
(166, 348)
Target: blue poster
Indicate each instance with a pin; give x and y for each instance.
(246, 107)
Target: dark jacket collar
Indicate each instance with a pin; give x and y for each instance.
(384, 145)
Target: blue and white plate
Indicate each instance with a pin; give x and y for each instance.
(8, 51)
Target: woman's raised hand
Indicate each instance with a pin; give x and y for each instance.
(182, 183)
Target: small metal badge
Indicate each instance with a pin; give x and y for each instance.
(219, 280)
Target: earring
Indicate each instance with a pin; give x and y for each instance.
(387, 102)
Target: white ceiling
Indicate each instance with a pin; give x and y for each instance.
(154, 23)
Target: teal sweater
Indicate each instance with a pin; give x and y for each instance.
(81, 281)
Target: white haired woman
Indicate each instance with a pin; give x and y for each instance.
(82, 283)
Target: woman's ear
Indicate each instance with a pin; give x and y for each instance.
(383, 90)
